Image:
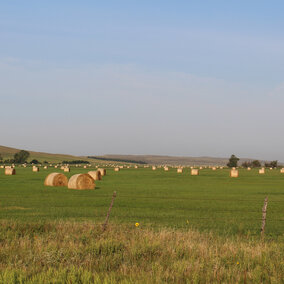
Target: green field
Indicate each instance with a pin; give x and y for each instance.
(211, 201)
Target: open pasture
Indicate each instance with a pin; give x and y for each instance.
(211, 201)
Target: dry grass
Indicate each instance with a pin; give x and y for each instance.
(83, 253)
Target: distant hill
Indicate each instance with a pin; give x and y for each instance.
(8, 153)
(171, 160)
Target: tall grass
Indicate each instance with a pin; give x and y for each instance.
(66, 252)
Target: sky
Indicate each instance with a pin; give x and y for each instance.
(181, 78)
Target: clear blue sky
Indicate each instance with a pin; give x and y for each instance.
(193, 78)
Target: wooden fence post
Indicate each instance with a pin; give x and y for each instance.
(264, 209)
(108, 213)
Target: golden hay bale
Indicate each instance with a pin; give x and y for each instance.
(282, 171)
(249, 169)
(194, 172)
(85, 167)
(10, 171)
(136, 167)
(96, 175)
(56, 179)
(179, 171)
(81, 181)
(234, 173)
(62, 167)
(35, 169)
(102, 171)
(45, 167)
(201, 168)
(66, 170)
(213, 168)
(55, 167)
(261, 171)
(116, 169)
(166, 168)
(154, 168)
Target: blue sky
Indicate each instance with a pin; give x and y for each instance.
(195, 78)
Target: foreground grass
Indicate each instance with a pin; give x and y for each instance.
(66, 252)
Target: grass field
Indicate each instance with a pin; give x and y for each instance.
(211, 201)
(192, 229)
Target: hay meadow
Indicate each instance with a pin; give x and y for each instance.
(164, 227)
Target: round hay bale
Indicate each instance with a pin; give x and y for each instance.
(35, 169)
(194, 172)
(234, 173)
(81, 181)
(116, 169)
(96, 175)
(102, 171)
(154, 168)
(10, 171)
(166, 168)
(261, 171)
(56, 179)
(66, 170)
(282, 171)
(179, 171)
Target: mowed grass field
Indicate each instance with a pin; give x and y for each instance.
(211, 201)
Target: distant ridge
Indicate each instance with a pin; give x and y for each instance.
(172, 160)
(8, 153)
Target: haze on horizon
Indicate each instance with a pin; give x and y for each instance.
(180, 78)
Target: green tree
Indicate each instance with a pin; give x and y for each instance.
(272, 164)
(34, 161)
(21, 157)
(233, 161)
(256, 164)
(246, 164)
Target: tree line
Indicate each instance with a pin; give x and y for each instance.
(233, 162)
